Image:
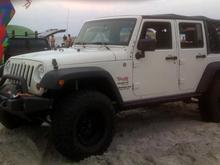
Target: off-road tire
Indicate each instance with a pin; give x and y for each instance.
(209, 104)
(74, 120)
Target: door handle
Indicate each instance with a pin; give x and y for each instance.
(171, 58)
(200, 56)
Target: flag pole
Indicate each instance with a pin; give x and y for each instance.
(67, 22)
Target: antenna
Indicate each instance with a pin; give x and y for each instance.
(67, 22)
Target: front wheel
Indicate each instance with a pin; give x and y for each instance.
(82, 124)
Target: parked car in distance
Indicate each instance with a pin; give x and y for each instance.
(19, 46)
(28, 42)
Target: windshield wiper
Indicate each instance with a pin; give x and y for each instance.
(81, 43)
(101, 43)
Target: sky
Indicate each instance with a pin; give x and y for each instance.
(71, 14)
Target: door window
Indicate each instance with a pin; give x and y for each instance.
(159, 31)
(191, 35)
(214, 36)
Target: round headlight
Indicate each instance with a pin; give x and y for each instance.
(40, 71)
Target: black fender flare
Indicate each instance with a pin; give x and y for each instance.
(208, 76)
(51, 79)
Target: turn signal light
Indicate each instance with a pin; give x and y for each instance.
(61, 83)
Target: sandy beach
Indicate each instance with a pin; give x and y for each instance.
(170, 134)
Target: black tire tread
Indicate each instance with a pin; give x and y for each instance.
(63, 118)
(209, 104)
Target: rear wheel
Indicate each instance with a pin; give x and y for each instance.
(82, 124)
(209, 104)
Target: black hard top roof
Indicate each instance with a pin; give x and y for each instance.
(174, 16)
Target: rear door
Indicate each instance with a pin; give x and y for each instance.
(192, 53)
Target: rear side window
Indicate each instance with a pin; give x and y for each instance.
(191, 35)
(159, 31)
(38, 44)
(214, 36)
(17, 46)
(18, 43)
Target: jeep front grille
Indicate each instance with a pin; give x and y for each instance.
(22, 70)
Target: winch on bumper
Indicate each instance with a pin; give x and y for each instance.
(15, 99)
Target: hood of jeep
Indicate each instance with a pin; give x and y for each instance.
(70, 56)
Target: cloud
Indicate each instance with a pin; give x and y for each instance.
(46, 14)
(90, 1)
(99, 0)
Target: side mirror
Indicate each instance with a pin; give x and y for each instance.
(147, 45)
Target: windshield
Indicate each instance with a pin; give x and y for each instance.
(112, 32)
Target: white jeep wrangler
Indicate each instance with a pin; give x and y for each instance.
(116, 63)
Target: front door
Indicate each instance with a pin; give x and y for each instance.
(157, 73)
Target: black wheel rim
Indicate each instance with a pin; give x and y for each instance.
(90, 128)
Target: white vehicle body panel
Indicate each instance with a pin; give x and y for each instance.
(154, 75)
(191, 68)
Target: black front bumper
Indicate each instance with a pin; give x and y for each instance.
(25, 104)
(22, 103)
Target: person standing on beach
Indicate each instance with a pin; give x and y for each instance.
(64, 41)
(52, 42)
(70, 41)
